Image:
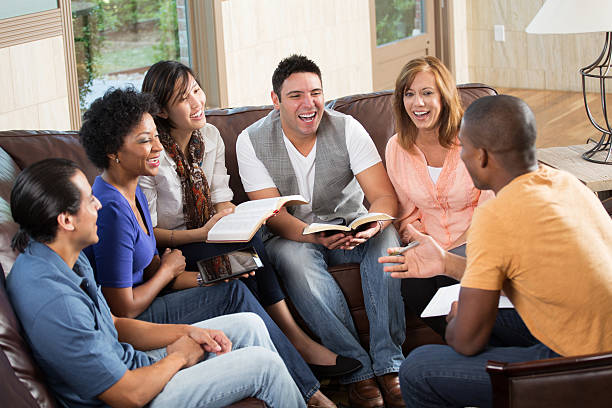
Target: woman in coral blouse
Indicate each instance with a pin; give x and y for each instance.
(436, 194)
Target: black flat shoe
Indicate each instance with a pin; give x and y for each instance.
(343, 366)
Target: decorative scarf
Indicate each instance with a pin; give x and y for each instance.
(197, 204)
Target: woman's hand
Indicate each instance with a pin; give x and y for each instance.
(203, 230)
(173, 262)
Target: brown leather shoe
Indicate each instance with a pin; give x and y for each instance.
(319, 400)
(390, 388)
(365, 394)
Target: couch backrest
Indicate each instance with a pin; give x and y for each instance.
(21, 381)
(373, 110)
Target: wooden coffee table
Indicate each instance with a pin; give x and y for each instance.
(597, 177)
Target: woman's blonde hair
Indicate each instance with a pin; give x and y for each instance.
(452, 111)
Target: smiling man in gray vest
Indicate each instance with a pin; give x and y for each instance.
(329, 158)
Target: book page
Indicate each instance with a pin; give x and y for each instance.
(234, 227)
(318, 227)
(440, 304)
(266, 205)
(369, 217)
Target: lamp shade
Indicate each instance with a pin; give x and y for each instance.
(572, 16)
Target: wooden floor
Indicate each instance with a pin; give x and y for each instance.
(560, 115)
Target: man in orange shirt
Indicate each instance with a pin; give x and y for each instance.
(544, 239)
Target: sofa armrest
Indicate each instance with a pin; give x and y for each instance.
(556, 382)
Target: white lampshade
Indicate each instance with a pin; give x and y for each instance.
(572, 16)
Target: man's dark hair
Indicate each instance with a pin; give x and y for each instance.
(42, 192)
(161, 81)
(291, 65)
(503, 124)
(109, 119)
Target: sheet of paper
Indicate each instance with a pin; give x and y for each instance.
(440, 304)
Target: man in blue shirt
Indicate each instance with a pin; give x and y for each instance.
(92, 358)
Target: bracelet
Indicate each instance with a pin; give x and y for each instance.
(199, 280)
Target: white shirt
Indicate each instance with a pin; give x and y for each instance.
(434, 173)
(164, 192)
(255, 176)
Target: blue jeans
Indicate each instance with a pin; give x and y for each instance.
(264, 284)
(438, 376)
(194, 305)
(251, 369)
(320, 302)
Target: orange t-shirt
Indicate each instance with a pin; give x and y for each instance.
(547, 241)
(442, 210)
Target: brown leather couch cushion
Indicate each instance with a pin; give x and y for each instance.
(19, 375)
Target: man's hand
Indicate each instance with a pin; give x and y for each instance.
(363, 235)
(187, 348)
(423, 261)
(336, 241)
(213, 341)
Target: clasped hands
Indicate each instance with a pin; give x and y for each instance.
(196, 342)
(347, 240)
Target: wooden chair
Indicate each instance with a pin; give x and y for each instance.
(584, 381)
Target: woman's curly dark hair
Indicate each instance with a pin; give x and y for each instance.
(109, 119)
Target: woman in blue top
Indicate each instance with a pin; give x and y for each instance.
(120, 137)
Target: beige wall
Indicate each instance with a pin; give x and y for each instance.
(259, 33)
(524, 60)
(33, 86)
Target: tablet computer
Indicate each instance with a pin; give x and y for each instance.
(241, 261)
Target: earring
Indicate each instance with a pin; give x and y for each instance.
(117, 160)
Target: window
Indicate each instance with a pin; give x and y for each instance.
(398, 19)
(117, 40)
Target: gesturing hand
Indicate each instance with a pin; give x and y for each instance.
(423, 261)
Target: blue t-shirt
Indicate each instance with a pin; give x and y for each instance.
(68, 325)
(124, 249)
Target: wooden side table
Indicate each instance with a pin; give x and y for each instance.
(597, 177)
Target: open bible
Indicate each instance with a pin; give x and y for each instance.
(248, 217)
(355, 226)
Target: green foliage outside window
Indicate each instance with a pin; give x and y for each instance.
(118, 35)
(395, 19)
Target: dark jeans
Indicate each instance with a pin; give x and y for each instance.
(264, 284)
(194, 305)
(438, 376)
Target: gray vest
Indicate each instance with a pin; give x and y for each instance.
(337, 196)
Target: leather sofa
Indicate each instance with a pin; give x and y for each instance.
(21, 383)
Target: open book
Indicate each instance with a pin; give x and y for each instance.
(352, 227)
(440, 304)
(243, 223)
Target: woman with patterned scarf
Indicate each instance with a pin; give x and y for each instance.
(192, 184)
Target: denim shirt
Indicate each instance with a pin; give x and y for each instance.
(69, 326)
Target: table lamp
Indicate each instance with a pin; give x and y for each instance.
(584, 16)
